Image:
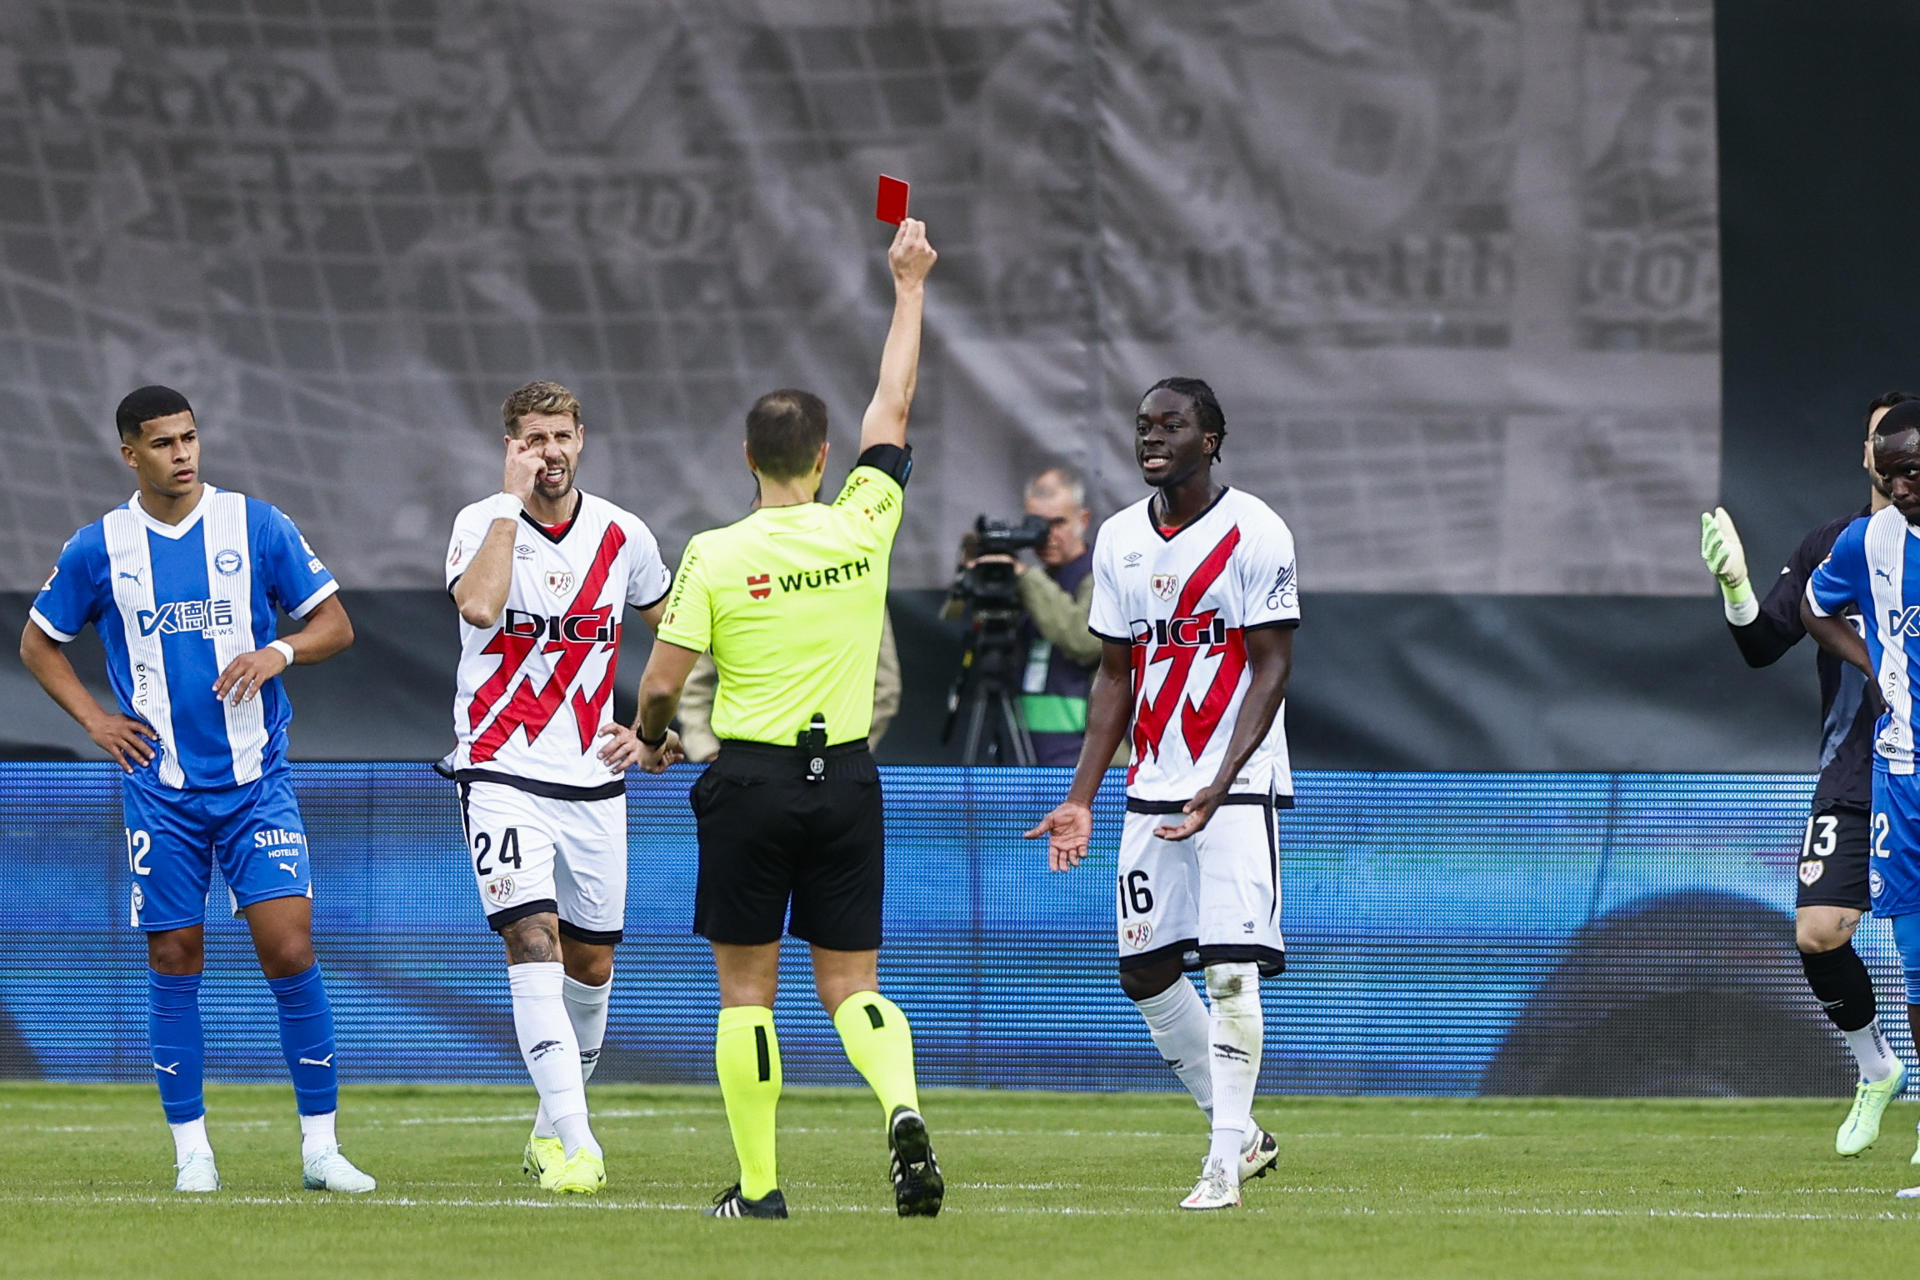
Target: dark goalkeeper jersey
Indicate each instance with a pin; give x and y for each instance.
(1847, 716)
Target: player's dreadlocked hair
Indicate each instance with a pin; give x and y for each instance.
(539, 397)
(1205, 403)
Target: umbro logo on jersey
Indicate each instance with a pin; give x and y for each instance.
(523, 552)
(1131, 560)
(757, 585)
(326, 1062)
(1165, 584)
(559, 581)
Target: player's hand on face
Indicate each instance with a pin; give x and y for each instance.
(656, 759)
(524, 466)
(125, 739)
(1069, 830)
(622, 749)
(910, 256)
(245, 674)
(1198, 811)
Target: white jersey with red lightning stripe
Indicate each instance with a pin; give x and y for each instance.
(1185, 602)
(536, 687)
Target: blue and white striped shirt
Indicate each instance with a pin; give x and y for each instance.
(1873, 567)
(174, 604)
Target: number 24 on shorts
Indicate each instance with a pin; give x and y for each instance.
(506, 855)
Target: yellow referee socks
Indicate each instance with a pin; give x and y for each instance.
(746, 1055)
(879, 1044)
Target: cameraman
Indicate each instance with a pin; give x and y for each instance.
(1061, 653)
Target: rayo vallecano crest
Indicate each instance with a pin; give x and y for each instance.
(559, 581)
(1165, 584)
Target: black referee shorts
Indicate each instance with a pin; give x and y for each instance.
(770, 838)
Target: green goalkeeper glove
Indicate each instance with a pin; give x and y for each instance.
(1720, 548)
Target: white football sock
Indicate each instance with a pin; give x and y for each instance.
(1235, 1038)
(1871, 1051)
(316, 1134)
(551, 1052)
(587, 1010)
(190, 1138)
(1178, 1022)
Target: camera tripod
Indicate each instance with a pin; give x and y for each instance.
(986, 686)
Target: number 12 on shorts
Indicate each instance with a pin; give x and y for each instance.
(139, 845)
(506, 853)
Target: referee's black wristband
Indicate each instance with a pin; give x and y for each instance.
(650, 743)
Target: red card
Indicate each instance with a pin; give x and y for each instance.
(892, 204)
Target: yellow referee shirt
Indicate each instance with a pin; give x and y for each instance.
(790, 600)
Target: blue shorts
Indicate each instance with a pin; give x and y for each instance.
(1893, 869)
(173, 838)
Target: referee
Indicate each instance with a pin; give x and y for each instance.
(790, 600)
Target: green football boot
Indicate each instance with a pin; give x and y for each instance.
(1870, 1099)
(540, 1153)
(583, 1175)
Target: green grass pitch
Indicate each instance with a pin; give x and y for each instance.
(1038, 1184)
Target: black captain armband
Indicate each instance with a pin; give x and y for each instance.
(895, 460)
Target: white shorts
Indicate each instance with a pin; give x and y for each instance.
(1213, 898)
(533, 854)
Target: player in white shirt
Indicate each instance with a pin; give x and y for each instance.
(542, 574)
(1195, 600)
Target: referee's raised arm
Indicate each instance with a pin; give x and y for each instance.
(910, 257)
(789, 817)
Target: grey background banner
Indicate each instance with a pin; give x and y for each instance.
(1452, 264)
